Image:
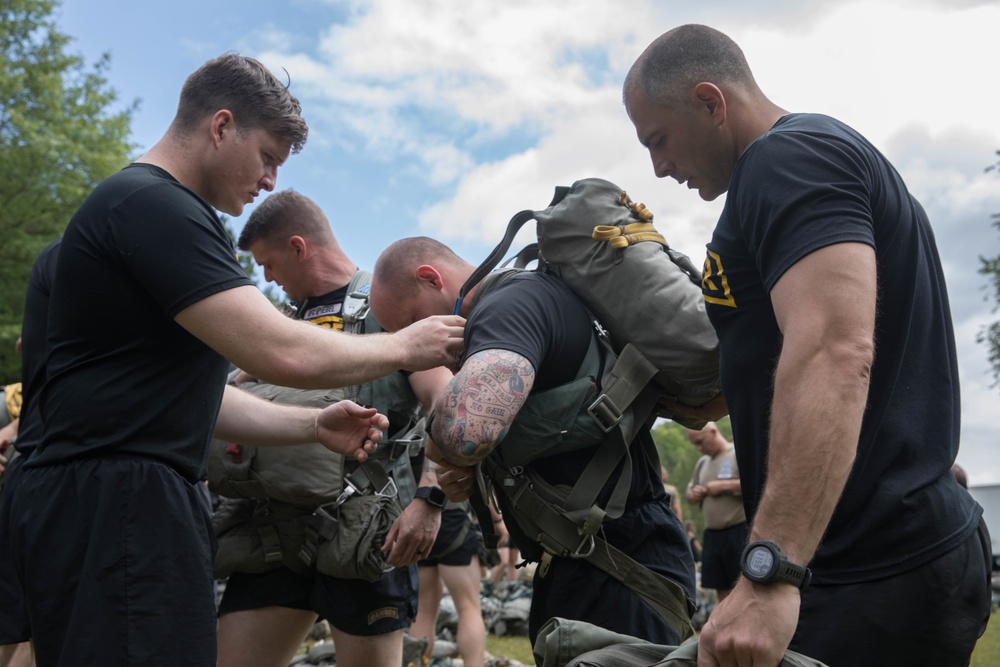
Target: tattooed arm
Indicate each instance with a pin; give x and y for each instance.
(474, 413)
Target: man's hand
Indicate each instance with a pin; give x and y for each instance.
(432, 342)
(752, 626)
(349, 429)
(696, 493)
(456, 481)
(412, 534)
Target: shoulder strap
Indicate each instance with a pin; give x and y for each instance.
(355, 307)
(491, 262)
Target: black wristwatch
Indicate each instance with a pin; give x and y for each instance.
(763, 563)
(432, 495)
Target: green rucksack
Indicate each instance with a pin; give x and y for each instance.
(604, 247)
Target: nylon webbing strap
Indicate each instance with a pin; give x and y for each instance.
(490, 263)
(665, 596)
(628, 379)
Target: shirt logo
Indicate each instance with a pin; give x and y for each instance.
(715, 282)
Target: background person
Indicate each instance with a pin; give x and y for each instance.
(715, 488)
(846, 414)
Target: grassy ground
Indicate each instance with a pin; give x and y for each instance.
(514, 647)
(987, 653)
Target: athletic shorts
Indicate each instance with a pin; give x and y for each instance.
(721, 551)
(115, 555)
(354, 606)
(452, 547)
(932, 615)
(14, 627)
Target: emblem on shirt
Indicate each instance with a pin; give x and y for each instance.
(327, 316)
(715, 282)
(726, 470)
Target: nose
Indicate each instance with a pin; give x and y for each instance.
(269, 180)
(662, 167)
(268, 276)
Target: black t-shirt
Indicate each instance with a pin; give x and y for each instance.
(33, 354)
(811, 182)
(536, 316)
(124, 379)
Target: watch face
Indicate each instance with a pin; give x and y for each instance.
(759, 562)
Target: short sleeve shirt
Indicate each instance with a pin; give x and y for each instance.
(124, 379)
(808, 183)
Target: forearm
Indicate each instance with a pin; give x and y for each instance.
(725, 487)
(249, 420)
(815, 424)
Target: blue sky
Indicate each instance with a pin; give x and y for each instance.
(445, 118)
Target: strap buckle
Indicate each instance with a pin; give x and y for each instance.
(355, 306)
(605, 413)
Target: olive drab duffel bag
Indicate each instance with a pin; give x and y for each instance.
(568, 643)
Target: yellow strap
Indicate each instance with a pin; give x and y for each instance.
(12, 399)
(622, 236)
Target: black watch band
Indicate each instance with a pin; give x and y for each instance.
(432, 495)
(763, 563)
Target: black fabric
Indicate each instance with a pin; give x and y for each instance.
(931, 615)
(538, 317)
(720, 556)
(447, 549)
(808, 183)
(353, 606)
(140, 249)
(14, 623)
(116, 558)
(33, 341)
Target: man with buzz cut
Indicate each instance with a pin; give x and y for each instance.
(263, 618)
(838, 365)
(109, 527)
(526, 336)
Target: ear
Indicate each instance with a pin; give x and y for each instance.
(428, 276)
(298, 245)
(710, 98)
(221, 125)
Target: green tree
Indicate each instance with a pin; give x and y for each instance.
(679, 457)
(990, 267)
(59, 138)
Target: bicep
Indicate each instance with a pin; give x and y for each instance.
(828, 298)
(480, 404)
(242, 326)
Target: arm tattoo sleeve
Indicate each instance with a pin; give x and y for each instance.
(476, 410)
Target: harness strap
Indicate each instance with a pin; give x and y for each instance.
(663, 595)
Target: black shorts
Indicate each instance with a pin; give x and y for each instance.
(354, 606)
(14, 627)
(720, 556)
(451, 547)
(932, 615)
(115, 555)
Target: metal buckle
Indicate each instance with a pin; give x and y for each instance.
(591, 545)
(355, 308)
(389, 490)
(605, 413)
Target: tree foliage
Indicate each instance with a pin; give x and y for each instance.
(59, 138)
(990, 267)
(679, 457)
